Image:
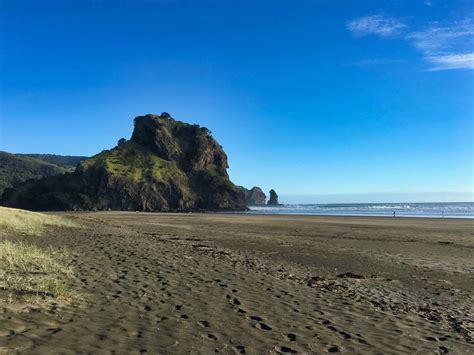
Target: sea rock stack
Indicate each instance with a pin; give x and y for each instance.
(254, 197)
(167, 165)
(273, 201)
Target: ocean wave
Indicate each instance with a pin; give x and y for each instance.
(464, 210)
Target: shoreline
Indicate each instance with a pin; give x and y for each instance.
(357, 215)
(244, 213)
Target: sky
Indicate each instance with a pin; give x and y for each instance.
(321, 98)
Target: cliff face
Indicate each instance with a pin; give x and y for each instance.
(167, 165)
(191, 146)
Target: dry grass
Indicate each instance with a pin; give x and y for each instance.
(13, 220)
(25, 269)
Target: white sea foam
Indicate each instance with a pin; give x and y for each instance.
(440, 210)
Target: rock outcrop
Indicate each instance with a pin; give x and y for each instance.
(167, 165)
(273, 201)
(254, 197)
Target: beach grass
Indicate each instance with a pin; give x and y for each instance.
(27, 270)
(17, 221)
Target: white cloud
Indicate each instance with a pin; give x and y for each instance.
(446, 47)
(377, 25)
(442, 46)
(452, 61)
(437, 39)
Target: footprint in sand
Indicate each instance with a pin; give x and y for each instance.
(239, 349)
(204, 323)
(290, 337)
(333, 349)
(234, 301)
(211, 337)
(263, 326)
(345, 335)
(284, 349)
(54, 330)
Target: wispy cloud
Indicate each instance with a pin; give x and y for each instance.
(451, 61)
(443, 46)
(376, 25)
(437, 39)
(446, 47)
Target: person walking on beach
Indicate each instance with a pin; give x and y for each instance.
(394, 213)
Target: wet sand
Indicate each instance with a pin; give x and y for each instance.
(201, 283)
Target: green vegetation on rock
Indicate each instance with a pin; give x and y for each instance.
(134, 161)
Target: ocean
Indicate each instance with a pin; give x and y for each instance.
(436, 210)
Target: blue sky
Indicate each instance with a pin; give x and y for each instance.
(307, 97)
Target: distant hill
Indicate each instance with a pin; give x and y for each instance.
(167, 165)
(17, 168)
(67, 161)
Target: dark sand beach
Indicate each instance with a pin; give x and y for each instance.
(233, 283)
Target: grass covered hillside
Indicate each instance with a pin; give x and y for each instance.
(131, 172)
(131, 160)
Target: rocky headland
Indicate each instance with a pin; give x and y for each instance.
(167, 165)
